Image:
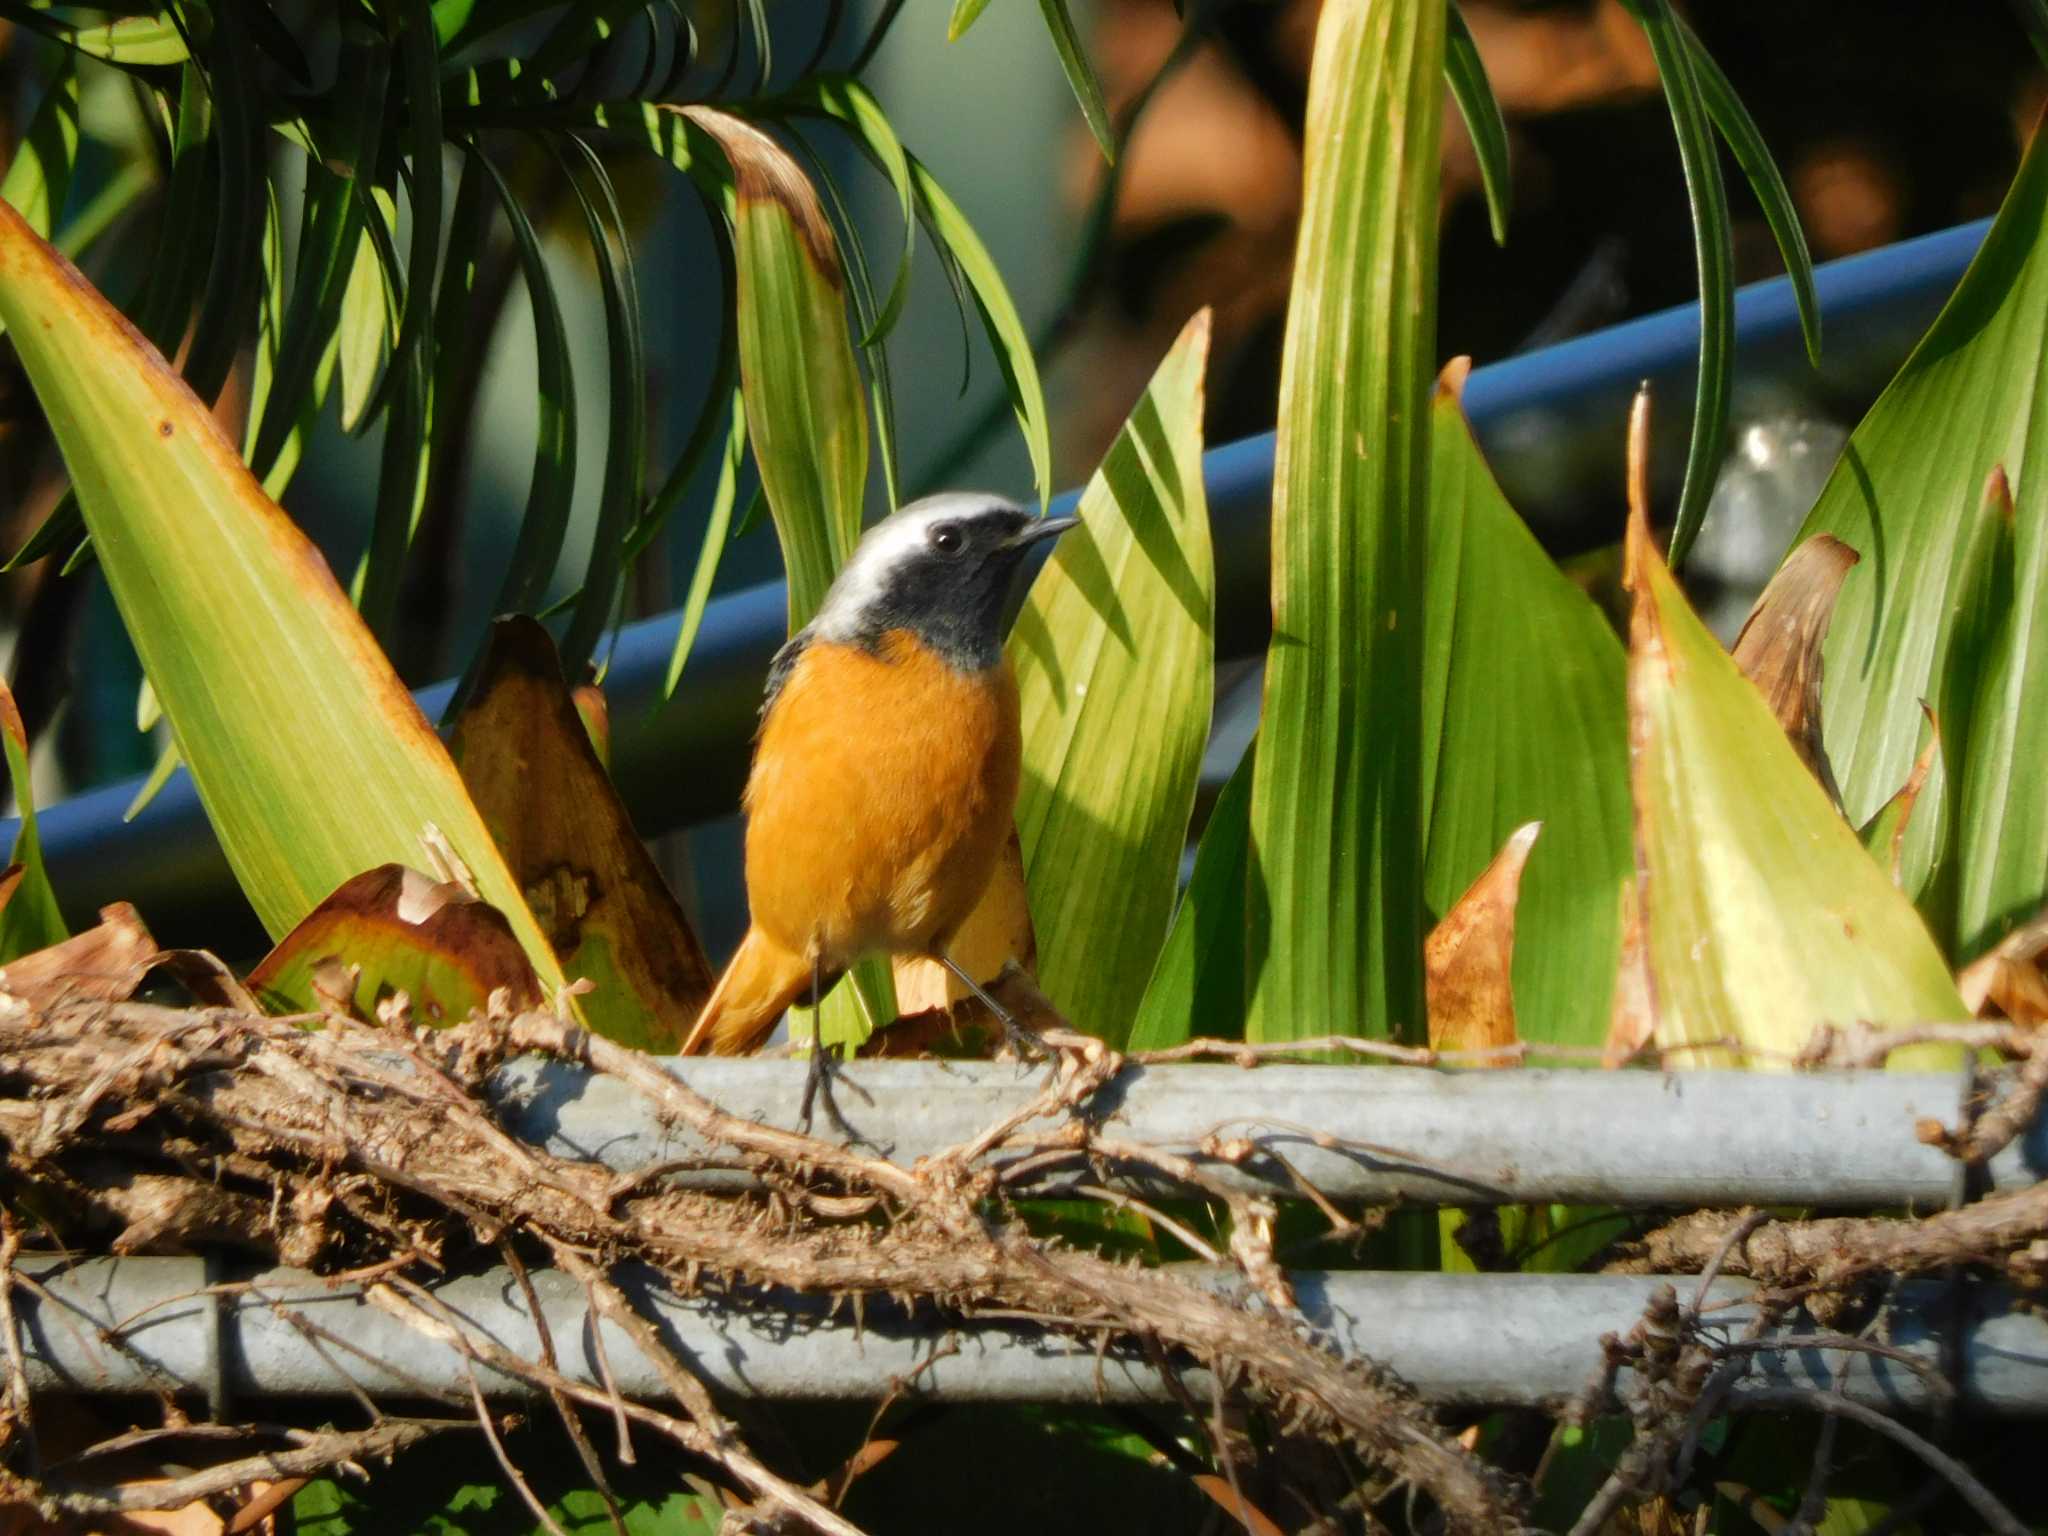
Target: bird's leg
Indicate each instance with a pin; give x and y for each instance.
(1027, 1044)
(818, 1079)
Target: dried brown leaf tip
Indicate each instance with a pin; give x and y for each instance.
(763, 171)
(1632, 1021)
(2011, 980)
(1779, 649)
(103, 964)
(1468, 962)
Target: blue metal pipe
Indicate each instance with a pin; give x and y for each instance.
(684, 763)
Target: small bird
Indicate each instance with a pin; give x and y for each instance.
(885, 772)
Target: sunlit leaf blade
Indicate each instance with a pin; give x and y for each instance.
(1524, 718)
(1764, 918)
(1466, 75)
(528, 759)
(314, 765)
(618, 501)
(1336, 883)
(1198, 987)
(1744, 140)
(965, 14)
(1115, 659)
(39, 176)
(392, 930)
(1908, 494)
(1066, 42)
(716, 531)
(29, 919)
(1006, 333)
(1714, 256)
(806, 415)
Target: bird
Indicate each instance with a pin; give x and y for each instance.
(884, 780)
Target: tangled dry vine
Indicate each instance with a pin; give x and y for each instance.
(371, 1152)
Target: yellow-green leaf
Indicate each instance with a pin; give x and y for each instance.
(1115, 658)
(1763, 916)
(311, 758)
(1198, 987)
(1336, 893)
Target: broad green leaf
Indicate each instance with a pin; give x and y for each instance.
(1466, 75)
(1115, 657)
(805, 414)
(1336, 880)
(965, 14)
(1890, 834)
(618, 502)
(528, 759)
(392, 930)
(1714, 256)
(1198, 987)
(1908, 495)
(1524, 718)
(1746, 143)
(716, 532)
(39, 176)
(314, 765)
(1066, 42)
(580, 31)
(1765, 919)
(29, 919)
(1006, 333)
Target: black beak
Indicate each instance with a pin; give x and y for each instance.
(1041, 528)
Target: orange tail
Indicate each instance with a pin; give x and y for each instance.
(760, 983)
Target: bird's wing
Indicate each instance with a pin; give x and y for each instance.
(783, 664)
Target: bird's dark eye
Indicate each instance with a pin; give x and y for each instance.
(947, 538)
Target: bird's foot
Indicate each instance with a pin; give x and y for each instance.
(818, 1081)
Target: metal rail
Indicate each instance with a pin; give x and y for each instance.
(1838, 1140)
(1461, 1340)
(683, 763)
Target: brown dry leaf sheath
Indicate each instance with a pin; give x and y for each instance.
(1779, 648)
(1468, 959)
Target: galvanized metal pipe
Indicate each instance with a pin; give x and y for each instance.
(1463, 1340)
(1843, 1140)
(683, 763)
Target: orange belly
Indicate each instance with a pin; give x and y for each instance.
(883, 791)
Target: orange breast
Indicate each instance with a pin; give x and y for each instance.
(883, 790)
